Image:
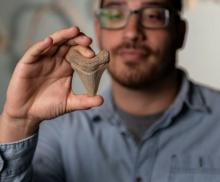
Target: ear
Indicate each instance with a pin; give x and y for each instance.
(181, 34)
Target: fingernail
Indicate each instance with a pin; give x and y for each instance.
(90, 54)
(74, 28)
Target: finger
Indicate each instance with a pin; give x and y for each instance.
(62, 51)
(80, 40)
(77, 102)
(84, 51)
(35, 51)
(52, 51)
(64, 35)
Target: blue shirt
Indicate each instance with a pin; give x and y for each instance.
(94, 145)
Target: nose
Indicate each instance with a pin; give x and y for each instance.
(133, 30)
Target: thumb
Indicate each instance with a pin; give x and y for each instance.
(79, 102)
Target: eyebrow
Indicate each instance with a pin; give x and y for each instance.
(112, 3)
(117, 2)
(153, 3)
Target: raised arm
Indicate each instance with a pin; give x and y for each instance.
(40, 87)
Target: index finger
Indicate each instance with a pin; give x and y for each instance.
(33, 53)
(64, 35)
(56, 38)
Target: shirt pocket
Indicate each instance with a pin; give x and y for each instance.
(194, 169)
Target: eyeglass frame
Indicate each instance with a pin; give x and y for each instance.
(168, 15)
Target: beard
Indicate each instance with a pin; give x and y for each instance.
(151, 70)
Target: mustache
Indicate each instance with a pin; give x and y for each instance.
(132, 45)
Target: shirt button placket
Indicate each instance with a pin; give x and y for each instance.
(138, 179)
(1, 164)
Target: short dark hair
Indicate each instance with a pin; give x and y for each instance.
(177, 4)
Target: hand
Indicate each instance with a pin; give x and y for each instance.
(40, 87)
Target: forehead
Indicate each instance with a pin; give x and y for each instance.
(136, 4)
(166, 2)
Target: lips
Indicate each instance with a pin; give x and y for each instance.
(131, 54)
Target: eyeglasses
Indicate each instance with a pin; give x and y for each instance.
(151, 17)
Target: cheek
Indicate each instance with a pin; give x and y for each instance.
(163, 48)
(160, 41)
(109, 39)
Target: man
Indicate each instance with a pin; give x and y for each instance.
(155, 125)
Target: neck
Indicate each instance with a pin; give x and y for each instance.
(147, 101)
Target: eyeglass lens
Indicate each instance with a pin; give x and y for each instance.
(151, 17)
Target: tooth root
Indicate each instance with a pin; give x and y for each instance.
(89, 70)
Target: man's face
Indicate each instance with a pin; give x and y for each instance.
(140, 56)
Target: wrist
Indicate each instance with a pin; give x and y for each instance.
(13, 129)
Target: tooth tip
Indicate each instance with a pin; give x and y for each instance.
(91, 80)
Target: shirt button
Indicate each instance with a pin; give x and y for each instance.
(1, 164)
(138, 179)
(96, 118)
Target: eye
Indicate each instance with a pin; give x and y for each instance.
(156, 14)
(113, 14)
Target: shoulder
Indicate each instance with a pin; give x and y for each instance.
(209, 95)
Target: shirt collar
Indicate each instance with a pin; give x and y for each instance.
(191, 94)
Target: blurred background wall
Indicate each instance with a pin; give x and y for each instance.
(23, 22)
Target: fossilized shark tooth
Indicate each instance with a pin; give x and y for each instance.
(89, 70)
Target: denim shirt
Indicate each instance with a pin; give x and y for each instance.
(94, 146)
